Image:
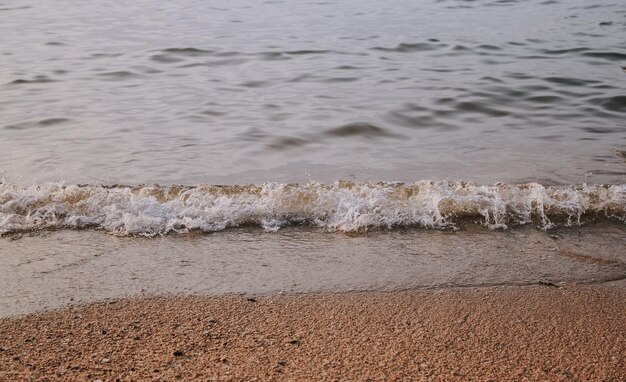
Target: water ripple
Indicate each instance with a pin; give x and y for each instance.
(611, 56)
(410, 47)
(38, 124)
(360, 129)
(36, 80)
(616, 104)
(447, 89)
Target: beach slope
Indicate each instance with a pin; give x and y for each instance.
(498, 333)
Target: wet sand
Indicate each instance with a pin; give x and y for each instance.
(498, 333)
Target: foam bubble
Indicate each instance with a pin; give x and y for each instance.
(342, 206)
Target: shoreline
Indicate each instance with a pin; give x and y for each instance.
(56, 269)
(500, 332)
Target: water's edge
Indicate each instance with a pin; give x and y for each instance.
(47, 270)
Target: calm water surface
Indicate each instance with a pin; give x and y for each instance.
(249, 91)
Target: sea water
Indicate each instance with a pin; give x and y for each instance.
(435, 129)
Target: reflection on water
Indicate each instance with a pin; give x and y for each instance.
(246, 91)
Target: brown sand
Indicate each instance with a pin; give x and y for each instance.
(502, 333)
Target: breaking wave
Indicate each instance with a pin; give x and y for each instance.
(343, 206)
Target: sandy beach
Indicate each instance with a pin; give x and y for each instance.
(498, 333)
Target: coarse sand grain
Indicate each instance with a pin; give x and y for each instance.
(498, 333)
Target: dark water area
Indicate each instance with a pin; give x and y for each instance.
(249, 91)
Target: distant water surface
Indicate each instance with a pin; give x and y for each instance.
(248, 91)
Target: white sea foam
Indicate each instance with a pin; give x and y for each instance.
(342, 206)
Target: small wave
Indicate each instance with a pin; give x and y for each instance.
(488, 47)
(283, 143)
(612, 56)
(410, 47)
(361, 129)
(225, 62)
(563, 51)
(342, 206)
(174, 55)
(43, 123)
(308, 51)
(119, 75)
(106, 55)
(617, 103)
(189, 51)
(2, 9)
(36, 80)
(567, 81)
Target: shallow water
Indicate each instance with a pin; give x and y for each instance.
(54, 269)
(236, 92)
